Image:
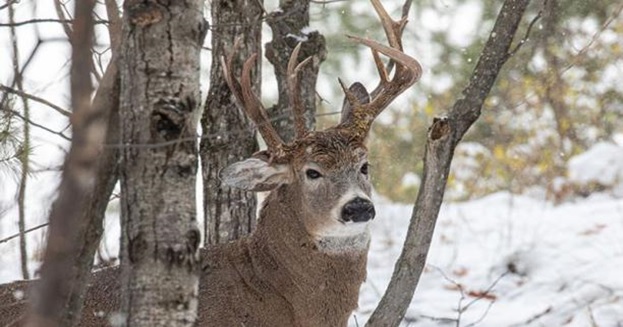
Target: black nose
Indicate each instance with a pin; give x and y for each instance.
(358, 210)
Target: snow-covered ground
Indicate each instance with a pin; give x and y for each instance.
(502, 260)
(507, 260)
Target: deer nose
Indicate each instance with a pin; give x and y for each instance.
(358, 210)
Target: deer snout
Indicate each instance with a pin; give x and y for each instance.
(358, 210)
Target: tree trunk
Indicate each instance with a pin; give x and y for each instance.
(443, 137)
(228, 136)
(60, 280)
(106, 100)
(290, 25)
(159, 69)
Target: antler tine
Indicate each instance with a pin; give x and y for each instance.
(294, 90)
(249, 101)
(408, 69)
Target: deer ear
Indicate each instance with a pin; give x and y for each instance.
(255, 175)
(362, 96)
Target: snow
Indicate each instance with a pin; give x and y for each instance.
(607, 170)
(545, 265)
(564, 262)
(542, 264)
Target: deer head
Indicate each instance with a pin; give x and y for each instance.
(327, 170)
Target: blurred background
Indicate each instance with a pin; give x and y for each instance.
(537, 180)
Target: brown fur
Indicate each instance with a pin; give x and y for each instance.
(292, 270)
(281, 275)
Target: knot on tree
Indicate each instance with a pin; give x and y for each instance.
(144, 14)
(170, 115)
(440, 128)
(183, 254)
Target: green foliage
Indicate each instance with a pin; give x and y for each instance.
(11, 146)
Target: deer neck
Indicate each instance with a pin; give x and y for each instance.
(302, 269)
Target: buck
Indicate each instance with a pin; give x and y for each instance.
(305, 262)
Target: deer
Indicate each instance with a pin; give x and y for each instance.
(306, 260)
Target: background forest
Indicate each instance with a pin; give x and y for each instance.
(551, 130)
(554, 99)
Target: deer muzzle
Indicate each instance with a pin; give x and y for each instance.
(358, 210)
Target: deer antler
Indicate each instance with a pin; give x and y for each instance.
(408, 71)
(294, 92)
(249, 101)
(252, 105)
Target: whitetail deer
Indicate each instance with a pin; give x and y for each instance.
(305, 262)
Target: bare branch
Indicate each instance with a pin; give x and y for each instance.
(26, 231)
(443, 136)
(8, 3)
(23, 94)
(30, 122)
(486, 292)
(24, 155)
(60, 11)
(114, 28)
(525, 38)
(65, 22)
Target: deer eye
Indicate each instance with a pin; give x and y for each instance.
(364, 168)
(312, 174)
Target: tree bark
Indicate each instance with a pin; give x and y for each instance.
(106, 100)
(443, 136)
(290, 25)
(228, 136)
(159, 69)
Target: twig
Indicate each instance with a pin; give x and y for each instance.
(444, 320)
(114, 28)
(596, 36)
(32, 229)
(23, 69)
(538, 316)
(231, 132)
(8, 3)
(324, 2)
(24, 155)
(482, 317)
(459, 310)
(525, 38)
(45, 20)
(29, 96)
(577, 57)
(487, 291)
(18, 115)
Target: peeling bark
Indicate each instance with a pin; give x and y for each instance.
(443, 137)
(159, 68)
